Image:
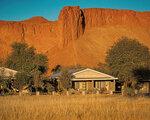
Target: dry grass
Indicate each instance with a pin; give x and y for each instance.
(76, 107)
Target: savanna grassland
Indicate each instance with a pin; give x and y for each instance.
(74, 107)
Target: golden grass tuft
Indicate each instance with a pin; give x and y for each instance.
(74, 107)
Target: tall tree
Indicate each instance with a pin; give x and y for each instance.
(125, 57)
(41, 63)
(65, 79)
(25, 60)
(1, 62)
(21, 57)
(56, 69)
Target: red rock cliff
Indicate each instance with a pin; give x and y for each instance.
(96, 17)
(80, 36)
(36, 31)
(71, 21)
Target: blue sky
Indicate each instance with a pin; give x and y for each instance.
(23, 9)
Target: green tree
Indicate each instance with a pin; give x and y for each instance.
(65, 79)
(41, 63)
(125, 57)
(22, 79)
(21, 57)
(1, 63)
(30, 64)
(56, 69)
(102, 68)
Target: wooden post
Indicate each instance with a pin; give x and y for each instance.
(111, 92)
(93, 84)
(83, 92)
(53, 92)
(20, 93)
(114, 82)
(37, 93)
(122, 90)
(67, 93)
(136, 91)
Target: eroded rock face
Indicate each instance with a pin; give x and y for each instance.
(79, 36)
(72, 24)
(96, 17)
(37, 32)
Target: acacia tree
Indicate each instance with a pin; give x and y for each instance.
(1, 62)
(65, 79)
(56, 69)
(40, 67)
(125, 57)
(29, 63)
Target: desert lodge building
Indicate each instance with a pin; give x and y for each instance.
(7, 73)
(89, 79)
(86, 80)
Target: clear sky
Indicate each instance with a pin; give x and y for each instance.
(23, 9)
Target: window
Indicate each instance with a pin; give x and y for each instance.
(82, 86)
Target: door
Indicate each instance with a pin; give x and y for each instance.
(118, 86)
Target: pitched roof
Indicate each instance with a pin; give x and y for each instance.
(90, 74)
(6, 72)
(86, 74)
(71, 71)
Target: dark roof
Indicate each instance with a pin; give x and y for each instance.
(145, 80)
(71, 71)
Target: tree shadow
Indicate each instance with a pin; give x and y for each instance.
(142, 74)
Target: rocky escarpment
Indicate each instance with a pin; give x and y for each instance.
(79, 36)
(36, 31)
(74, 21)
(72, 24)
(100, 17)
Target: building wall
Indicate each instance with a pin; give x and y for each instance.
(83, 85)
(107, 85)
(146, 87)
(100, 85)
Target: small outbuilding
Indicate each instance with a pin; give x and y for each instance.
(145, 86)
(7, 73)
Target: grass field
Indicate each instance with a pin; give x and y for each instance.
(74, 107)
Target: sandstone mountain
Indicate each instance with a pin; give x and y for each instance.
(79, 36)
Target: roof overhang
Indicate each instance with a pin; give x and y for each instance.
(93, 79)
